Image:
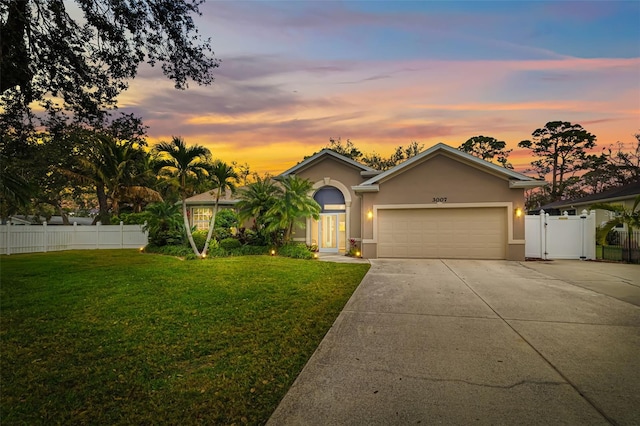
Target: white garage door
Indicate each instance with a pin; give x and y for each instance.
(469, 233)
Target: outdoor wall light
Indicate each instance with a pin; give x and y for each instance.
(518, 212)
(369, 214)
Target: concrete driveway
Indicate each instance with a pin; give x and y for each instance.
(478, 342)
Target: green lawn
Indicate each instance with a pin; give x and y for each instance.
(119, 337)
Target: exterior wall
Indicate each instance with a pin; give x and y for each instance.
(441, 182)
(191, 208)
(330, 171)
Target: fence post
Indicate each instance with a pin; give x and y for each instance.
(121, 234)
(542, 230)
(98, 234)
(9, 224)
(546, 224)
(583, 217)
(73, 236)
(44, 236)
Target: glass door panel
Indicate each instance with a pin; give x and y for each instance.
(328, 232)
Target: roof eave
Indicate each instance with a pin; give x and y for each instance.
(210, 202)
(600, 201)
(502, 171)
(323, 152)
(527, 183)
(366, 188)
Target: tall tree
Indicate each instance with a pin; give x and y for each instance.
(562, 151)
(15, 190)
(399, 155)
(224, 178)
(48, 52)
(489, 149)
(347, 149)
(184, 162)
(112, 166)
(292, 203)
(616, 166)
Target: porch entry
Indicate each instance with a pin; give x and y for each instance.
(329, 232)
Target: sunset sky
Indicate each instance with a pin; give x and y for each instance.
(383, 74)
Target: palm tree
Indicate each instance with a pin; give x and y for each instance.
(293, 203)
(624, 216)
(255, 201)
(164, 223)
(223, 176)
(15, 191)
(112, 166)
(184, 162)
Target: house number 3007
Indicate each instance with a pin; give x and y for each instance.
(439, 199)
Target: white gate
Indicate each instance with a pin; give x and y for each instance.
(560, 237)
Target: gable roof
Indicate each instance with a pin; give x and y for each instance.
(208, 198)
(324, 153)
(620, 193)
(516, 180)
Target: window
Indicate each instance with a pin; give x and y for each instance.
(202, 217)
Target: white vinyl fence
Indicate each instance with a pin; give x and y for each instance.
(560, 237)
(43, 238)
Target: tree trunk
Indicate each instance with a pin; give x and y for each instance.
(212, 224)
(103, 214)
(554, 174)
(63, 215)
(187, 228)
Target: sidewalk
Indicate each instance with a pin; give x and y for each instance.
(340, 258)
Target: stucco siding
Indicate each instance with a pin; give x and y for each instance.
(346, 174)
(443, 177)
(442, 182)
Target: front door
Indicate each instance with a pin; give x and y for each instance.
(328, 233)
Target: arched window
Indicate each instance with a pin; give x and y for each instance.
(330, 199)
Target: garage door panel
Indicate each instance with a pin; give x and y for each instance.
(473, 233)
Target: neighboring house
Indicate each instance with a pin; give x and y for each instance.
(53, 220)
(443, 203)
(200, 207)
(624, 195)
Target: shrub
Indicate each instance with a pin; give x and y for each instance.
(131, 218)
(251, 237)
(216, 251)
(354, 250)
(249, 251)
(199, 237)
(223, 233)
(169, 250)
(226, 218)
(295, 251)
(230, 244)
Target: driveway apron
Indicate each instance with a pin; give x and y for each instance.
(471, 342)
